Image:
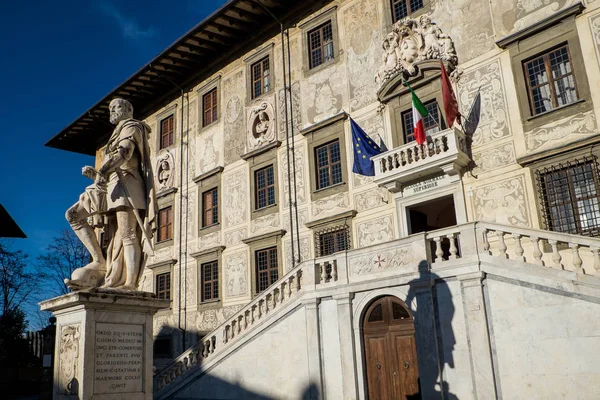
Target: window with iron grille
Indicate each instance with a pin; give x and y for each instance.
(403, 8)
(329, 164)
(163, 286)
(261, 77)
(264, 191)
(320, 42)
(209, 107)
(165, 224)
(433, 123)
(550, 80)
(210, 280)
(332, 240)
(210, 204)
(570, 196)
(166, 132)
(267, 270)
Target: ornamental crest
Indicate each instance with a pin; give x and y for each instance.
(261, 125)
(68, 355)
(411, 41)
(165, 167)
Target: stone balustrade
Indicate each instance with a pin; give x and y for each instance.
(464, 244)
(258, 309)
(551, 249)
(445, 151)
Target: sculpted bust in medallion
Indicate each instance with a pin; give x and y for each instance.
(121, 202)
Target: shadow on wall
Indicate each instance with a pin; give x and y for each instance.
(440, 313)
(214, 388)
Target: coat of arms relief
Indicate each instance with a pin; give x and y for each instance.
(412, 41)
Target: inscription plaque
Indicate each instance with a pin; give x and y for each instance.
(118, 360)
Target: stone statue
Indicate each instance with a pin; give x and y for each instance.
(123, 194)
(412, 41)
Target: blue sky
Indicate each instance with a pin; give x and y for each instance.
(59, 58)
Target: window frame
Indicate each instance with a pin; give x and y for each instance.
(171, 135)
(329, 166)
(214, 282)
(168, 288)
(259, 55)
(266, 60)
(572, 203)
(409, 10)
(213, 107)
(441, 123)
(554, 34)
(320, 29)
(258, 190)
(213, 207)
(206, 182)
(333, 231)
(159, 238)
(269, 267)
(311, 24)
(169, 111)
(256, 163)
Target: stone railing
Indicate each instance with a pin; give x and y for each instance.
(275, 296)
(551, 249)
(452, 246)
(445, 151)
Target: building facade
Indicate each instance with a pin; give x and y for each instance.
(467, 267)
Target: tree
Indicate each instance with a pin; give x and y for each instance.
(17, 285)
(62, 257)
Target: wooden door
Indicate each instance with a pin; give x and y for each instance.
(390, 351)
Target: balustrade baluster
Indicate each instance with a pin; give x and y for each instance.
(556, 257)
(239, 324)
(596, 253)
(298, 280)
(334, 271)
(396, 161)
(421, 152)
(486, 242)
(323, 267)
(383, 165)
(537, 253)
(501, 244)
(290, 286)
(453, 248)
(577, 261)
(518, 247)
(439, 253)
(403, 157)
(225, 334)
(282, 296)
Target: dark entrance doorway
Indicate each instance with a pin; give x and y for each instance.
(390, 351)
(431, 215)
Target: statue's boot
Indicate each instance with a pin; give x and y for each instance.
(133, 259)
(85, 233)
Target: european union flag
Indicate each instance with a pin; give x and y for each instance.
(364, 148)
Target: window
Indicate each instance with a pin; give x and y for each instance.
(264, 179)
(209, 103)
(163, 286)
(166, 132)
(165, 224)
(210, 280)
(329, 164)
(570, 197)
(261, 77)
(210, 204)
(550, 80)
(432, 121)
(320, 41)
(332, 240)
(267, 271)
(403, 8)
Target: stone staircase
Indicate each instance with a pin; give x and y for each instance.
(568, 261)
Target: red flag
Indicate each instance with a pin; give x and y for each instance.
(450, 103)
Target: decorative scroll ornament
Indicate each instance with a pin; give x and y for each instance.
(165, 166)
(411, 41)
(68, 354)
(261, 125)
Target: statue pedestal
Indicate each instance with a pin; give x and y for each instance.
(103, 344)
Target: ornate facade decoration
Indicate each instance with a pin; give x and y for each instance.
(68, 354)
(412, 41)
(261, 125)
(503, 202)
(165, 168)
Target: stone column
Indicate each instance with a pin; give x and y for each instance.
(478, 335)
(314, 353)
(344, 312)
(103, 344)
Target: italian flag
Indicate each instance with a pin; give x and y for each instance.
(418, 112)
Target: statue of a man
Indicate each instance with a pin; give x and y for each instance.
(123, 194)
